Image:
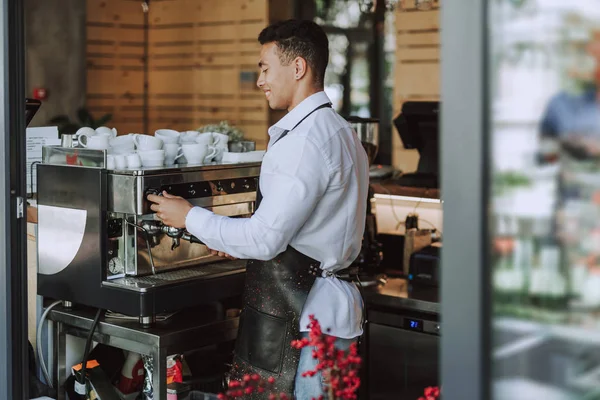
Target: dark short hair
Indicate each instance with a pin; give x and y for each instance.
(297, 38)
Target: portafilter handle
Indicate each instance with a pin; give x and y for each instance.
(179, 233)
(191, 238)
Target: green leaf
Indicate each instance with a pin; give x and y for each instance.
(69, 129)
(85, 117)
(60, 119)
(103, 120)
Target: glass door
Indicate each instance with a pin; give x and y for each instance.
(543, 254)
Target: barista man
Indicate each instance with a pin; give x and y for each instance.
(310, 216)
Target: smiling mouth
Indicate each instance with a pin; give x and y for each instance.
(267, 93)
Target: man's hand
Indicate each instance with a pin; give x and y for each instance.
(221, 254)
(171, 210)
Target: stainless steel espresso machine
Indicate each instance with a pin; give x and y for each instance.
(100, 245)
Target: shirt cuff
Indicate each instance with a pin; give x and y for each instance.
(195, 219)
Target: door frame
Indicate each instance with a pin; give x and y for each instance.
(14, 354)
(465, 292)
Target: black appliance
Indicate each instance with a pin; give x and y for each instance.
(403, 353)
(424, 266)
(418, 127)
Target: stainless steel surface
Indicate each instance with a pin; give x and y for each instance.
(60, 235)
(153, 252)
(176, 335)
(112, 259)
(74, 156)
(147, 321)
(67, 140)
(210, 270)
(245, 207)
(215, 170)
(242, 146)
(149, 231)
(126, 189)
(367, 130)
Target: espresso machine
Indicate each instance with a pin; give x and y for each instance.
(100, 245)
(370, 255)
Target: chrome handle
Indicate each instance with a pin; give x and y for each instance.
(147, 239)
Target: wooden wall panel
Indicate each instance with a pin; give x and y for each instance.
(202, 64)
(417, 68)
(115, 62)
(203, 57)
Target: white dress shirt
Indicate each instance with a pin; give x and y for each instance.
(314, 183)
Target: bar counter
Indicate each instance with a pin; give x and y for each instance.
(398, 294)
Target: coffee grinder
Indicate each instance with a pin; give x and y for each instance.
(370, 255)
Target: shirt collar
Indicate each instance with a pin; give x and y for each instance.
(300, 111)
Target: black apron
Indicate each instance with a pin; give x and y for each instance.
(274, 295)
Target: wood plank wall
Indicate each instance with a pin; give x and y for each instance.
(417, 68)
(115, 63)
(202, 63)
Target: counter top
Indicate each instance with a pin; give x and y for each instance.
(391, 187)
(202, 326)
(399, 294)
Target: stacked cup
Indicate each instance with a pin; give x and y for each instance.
(150, 150)
(220, 142)
(170, 139)
(164, 148)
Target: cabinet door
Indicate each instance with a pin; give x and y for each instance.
(401, 363)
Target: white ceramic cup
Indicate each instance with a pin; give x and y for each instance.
(152, 158)
(85, 131)
(122, 141)
(120, 161)
(106, 131)
(205, 138)
(110, 162)
(220, 139)
(167, 135)
(151, 154)
(122, 149)
(219, 153)
(196, 153)
(171, 150)
(189, 136)
(133, 161)
(97, 142)
(146, 142)
(153, 163)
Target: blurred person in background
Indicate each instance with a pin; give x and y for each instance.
(576, 116)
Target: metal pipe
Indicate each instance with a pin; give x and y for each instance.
(147, 238)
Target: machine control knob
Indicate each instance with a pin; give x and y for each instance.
(153, 191)
(437, 328)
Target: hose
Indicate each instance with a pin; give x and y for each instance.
(39, 342)
(88, 343)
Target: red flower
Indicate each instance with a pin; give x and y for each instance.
(431, 393)
(339, 368)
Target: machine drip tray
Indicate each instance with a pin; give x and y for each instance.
(206, 271)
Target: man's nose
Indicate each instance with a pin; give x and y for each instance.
(260, 81)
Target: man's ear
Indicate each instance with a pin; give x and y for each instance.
(301, 68)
